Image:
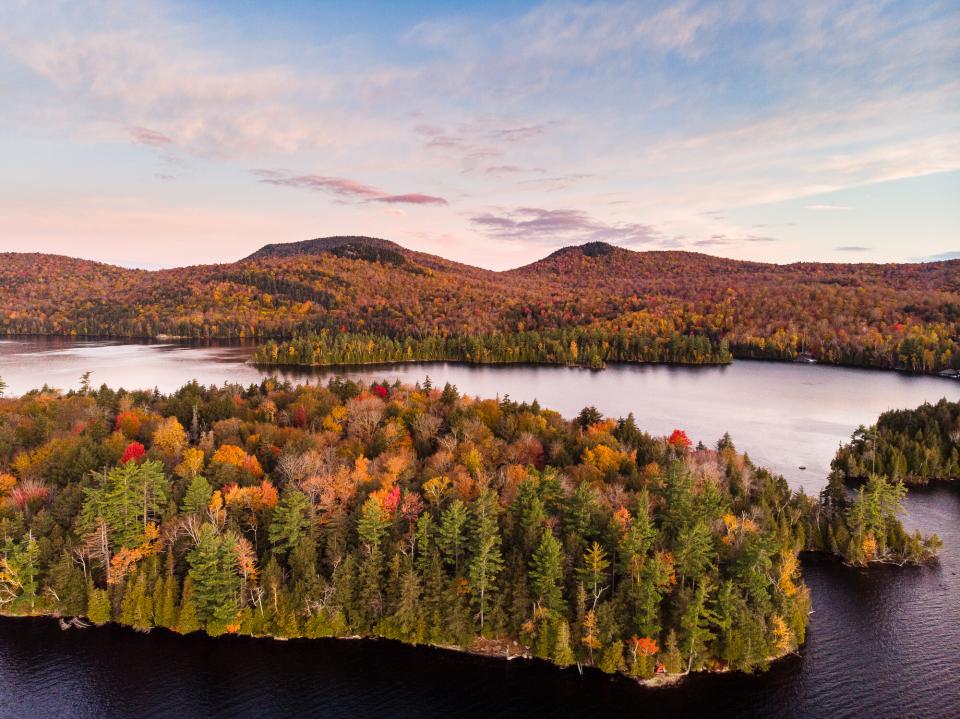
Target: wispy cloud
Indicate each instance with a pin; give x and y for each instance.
(146, 136)
(720, 240)
(682, 112)
(827, 207)
(343, 188)
(412, 198)
(560, 227)
(852, 248)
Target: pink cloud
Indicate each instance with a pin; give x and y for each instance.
(146, 136)
(413, 198)
(556, 226)
(345, 188)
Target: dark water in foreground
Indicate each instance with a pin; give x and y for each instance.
(882, 643)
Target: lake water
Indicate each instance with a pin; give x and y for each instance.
(785, 415)
(882, 643)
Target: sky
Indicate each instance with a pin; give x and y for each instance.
(164, 133)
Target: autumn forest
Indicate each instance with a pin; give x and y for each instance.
(361, 300)
(422, 515)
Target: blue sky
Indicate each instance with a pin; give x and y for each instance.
(166, 133)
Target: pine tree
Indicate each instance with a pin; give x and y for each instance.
(215, 580)
(546, 573)
(452, 535)
(672, 659)
(290, 521)
(98, 606)
(70, 586)
(611, 659)
(562, 654)
(187, 619)
(407, 615)
(487, 561)
(197, 497)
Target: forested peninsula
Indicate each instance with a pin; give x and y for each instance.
(913, 445)
(416, 514)
(339, 300)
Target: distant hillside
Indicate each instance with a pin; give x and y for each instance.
(893, 315)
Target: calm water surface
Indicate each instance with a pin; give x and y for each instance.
(785, 415)
(882, 643)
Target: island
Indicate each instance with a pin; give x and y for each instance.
(417, 514)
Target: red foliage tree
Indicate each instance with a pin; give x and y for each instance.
(679, 439)
(134, 451)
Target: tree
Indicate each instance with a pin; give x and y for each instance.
(546, 573)
(562, 654)
(191, 465)
(694, 551)
(487, 560)
(19, 567)
(290, 521)
(213, 569)
(170, 438)
(3, 386)
(595, 565)
(695, 622)
(453, 524)
(197, 497)
(672, 659)
(98, 606)
(126, 500)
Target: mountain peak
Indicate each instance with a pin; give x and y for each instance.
(589, 249)
(349, 246)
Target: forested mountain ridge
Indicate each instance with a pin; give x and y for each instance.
(904, 316)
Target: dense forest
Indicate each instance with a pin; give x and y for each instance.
(912, 445)
(582, 347)
(412, 513)
(657, 306)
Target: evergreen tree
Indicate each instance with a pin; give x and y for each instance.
(290, 521)
(487, 561)
(215, 580)
(452, 537)
(197, 497)
(98, 605)
(562, 654)
(546, 573)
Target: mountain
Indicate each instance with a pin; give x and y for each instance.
(888, 315)
(371, 249)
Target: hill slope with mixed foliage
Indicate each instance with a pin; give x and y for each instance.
(405, 512)
(625, 305)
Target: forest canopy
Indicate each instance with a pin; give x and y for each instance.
(646, 306)
(417, 514)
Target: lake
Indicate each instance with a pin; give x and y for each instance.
(881, 643)
(785, 415)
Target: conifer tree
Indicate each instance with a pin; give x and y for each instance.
(546, 573)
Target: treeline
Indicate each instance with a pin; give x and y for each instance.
(912, 445)
(406, 512)
(583, 347)
(903, 317)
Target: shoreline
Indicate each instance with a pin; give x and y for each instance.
(488, 649)
(254, 343)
